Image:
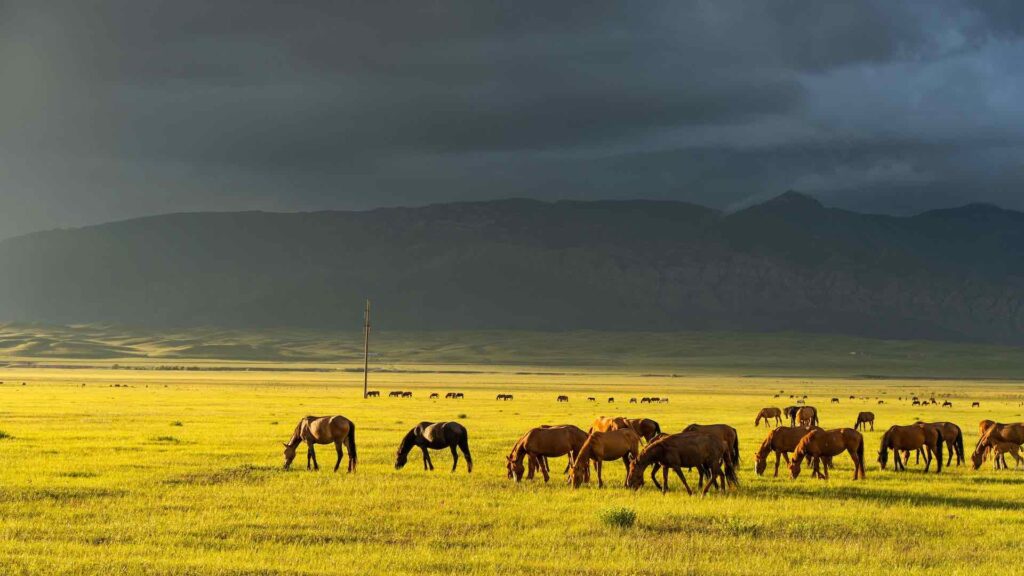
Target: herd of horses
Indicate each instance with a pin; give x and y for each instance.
(711, 449)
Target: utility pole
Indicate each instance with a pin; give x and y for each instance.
(366, 348)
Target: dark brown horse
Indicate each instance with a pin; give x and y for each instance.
(646, 428)
(913, 437)
(336, 430)
(954, 439)
(706, 453)
(724, 432)
(601, 447)
(542, 443)
(864, 419)
(435, 436)
(818, 445)
(781, 441)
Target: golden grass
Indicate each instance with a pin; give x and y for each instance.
(179, 473)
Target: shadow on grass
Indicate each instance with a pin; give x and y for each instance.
(877, 494)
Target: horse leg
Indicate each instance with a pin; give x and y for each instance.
(654, 475)
(625, 460)
(597, 466)
(897, 464)
(952, 451)
(427, 464)
(455, 457)
(927, 457)
(544, 468)
(312, 453)
(337, 446)
(778, 456)
(664, 477)
(682, 477)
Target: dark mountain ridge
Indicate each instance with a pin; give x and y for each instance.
(787, 264)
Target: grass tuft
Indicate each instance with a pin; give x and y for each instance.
(167, 439)
(620, 517)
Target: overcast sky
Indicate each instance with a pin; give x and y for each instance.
(117, 109)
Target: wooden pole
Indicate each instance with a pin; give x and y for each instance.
(366, 348)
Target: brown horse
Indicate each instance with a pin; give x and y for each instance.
(913, 437)
(601, 447)
(707, 453)
(999, 450)
(542, 443)
(725, 433)
(863, 420)
(954, 439)
(807, 416)
(767, 414)
(312, 430)
(782, 441)
(995, 432)
(646, 428)
(818, 445)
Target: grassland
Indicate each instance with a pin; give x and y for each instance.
(178, 472)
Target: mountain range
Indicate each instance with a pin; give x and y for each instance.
(787, 264)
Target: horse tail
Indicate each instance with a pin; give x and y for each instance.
(860, 456)
(352, 447)
(736, 449)
(939, 441)
(657, 428)
(958, 444)
(464, 446)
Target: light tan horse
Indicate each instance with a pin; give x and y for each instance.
(820, 444)
(601, 447)
(607, 424)
(336, 430)
(542, 443)
(781, 441)
(767, 414)
(707, 453)
(912, 437)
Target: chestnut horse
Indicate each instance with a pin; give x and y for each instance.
(707, 453)
(435, 436)
(999, 450)
(820, 444)
(782, 441)
(913, 437)
(863, 420)
(807, 416)
(725, 433)
(312, 430)
(768, 414)
(601, 447)
(542, 443)
(992, 433)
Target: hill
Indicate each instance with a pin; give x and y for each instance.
(789, 264)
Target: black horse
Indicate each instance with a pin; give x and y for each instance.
(435, 436)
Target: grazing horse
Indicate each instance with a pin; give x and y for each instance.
(601, 447)
(818, 445)
(767, 414)
(999, 451)
(704, 452)
(646, 428)
(975, 404)
(395, 394)
(373, 394)
(807, 416)
(434, 396)
(406, 394)
(912, 437)
(312, 430)
(563, 399)
(947, 404)
(954, 439)
(782, 441)
(864, 419)
(542, 443)
(835, 400)
(725, 433)
(791, 413)
(632, 400)
(431, 436)
(995, 432)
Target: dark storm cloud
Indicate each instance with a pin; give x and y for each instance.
(124, 108)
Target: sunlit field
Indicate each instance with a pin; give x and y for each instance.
(179, 472)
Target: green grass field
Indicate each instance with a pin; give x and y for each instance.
(180, 473)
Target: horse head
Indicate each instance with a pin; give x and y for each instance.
(289, 454)
(635, 476)
(760, 464)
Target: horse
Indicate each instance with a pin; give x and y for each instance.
(645, 400)
(835, 400)
(999, 451)
(913, 437)
(947, 404)
(864, 419)
(704, 452)
(646, 428)
(975, 404)
(591, 399)
(767, 414)
(542, 443)
(992, 433)
(791, 412)
(782, 441)
(434, 396)
(954, 439)
(820, 444)
(322, 430)
(611, 400)
(562, 399)
(406, 394)
(807, 416)
(725, 433)
(435, 436)
(395, 394)
(601, 447)
(373, 394)
(632, 400)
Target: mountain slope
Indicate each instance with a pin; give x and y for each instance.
(787, 264)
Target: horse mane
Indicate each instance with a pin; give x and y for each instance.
(297, 434)
(582, 458)
(766, 446)
(801, 446)
(407, 443)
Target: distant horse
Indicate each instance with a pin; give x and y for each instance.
(864, 419)
(791, 412)
(645, 400)
(449, 395)
(674, 452)
(542, 443)
(781, 441)
(947, 404)
(835, 400)
(395, 394)
(591, 399)
(767, 414)
(954, 439)
(975, 404)
(611, 400)
(406, 394)
(373, 394)
(434, 396)
(601, 447)
(503, 397)
(459, 396)
(312, 430)
(563, 399)
(723, 432)
(916, 402)
(819, 444)
(632, 400)
(913, 437)
(435, 436)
